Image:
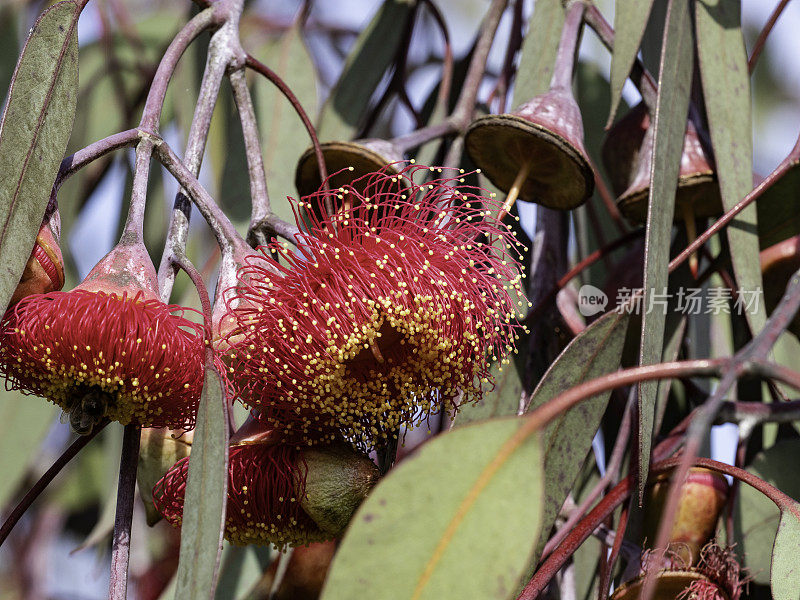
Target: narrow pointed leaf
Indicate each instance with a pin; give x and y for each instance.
(442, 525)
(726, 91)
(539, 50)
(241, 569)
(785, 572)
(278, 121)
(630, 21)
(34, 132)
(567, 439)
(756, 518)
(675, 80)
(206, 493)
(369, 59)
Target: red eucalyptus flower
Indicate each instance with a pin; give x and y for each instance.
(280, 494)
(390, 310)
(108, 348)
(263, 507)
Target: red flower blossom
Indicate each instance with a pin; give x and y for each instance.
(108, 348)
(391, 310)
(265, 485)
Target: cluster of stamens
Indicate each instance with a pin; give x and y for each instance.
(98, 355)
(389, 310)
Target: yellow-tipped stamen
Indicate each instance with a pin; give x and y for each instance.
(691, 234)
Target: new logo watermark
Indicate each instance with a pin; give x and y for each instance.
(687, 301)
(591, 300)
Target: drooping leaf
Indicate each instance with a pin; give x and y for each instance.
(240, 570)
(593, 223)
(567, 439)
(446, 523)
(726, 91)
(24, 421)
(785, 573)
(630, 21)
(539, 50)
(675, 79)
(34, 132)
(369, 59)
(206, 493)
(114, 80)
(9, 46)
(282, 133)
(675, 326)
(756, 517)
(502, 401)
(778, 209)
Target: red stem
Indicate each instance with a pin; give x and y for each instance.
(762, 37)
(264, 70)
(567, 46)
(121, 544)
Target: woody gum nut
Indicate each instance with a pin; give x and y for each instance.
(546, 133)
(159, 449)
(669, 586)
(338, 480)
(703, 496)
(345, 162)
(698, 188)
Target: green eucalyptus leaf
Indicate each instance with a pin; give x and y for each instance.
(206, 492)
(778, 209)
(282, 132)
(756, 517)
(374, 50)
(539, 50)
(675, 80)
(726, 91)
(240, 570)
(597, 351)
(24, 421)
(501, 401)
(785, 573)
(34, 131)
(630, 21)
(458, 519)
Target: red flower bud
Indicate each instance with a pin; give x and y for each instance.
(44, 271)
(280, 494)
